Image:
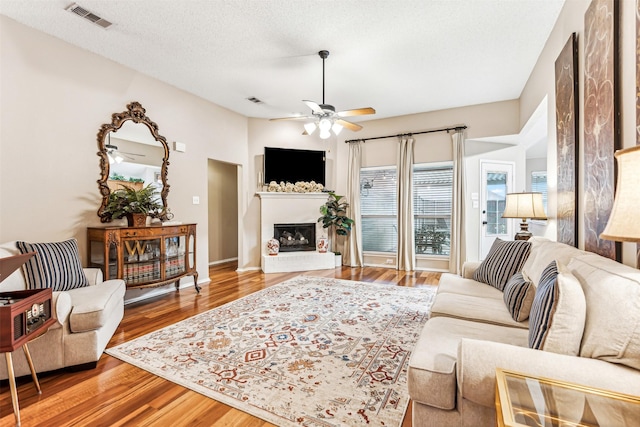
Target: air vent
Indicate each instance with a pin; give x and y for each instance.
(84, 13)
(254, 100)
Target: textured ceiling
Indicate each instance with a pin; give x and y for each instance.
(398, 56)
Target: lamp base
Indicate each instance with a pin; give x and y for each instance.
(522, 235)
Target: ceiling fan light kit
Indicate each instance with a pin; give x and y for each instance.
(324, 116)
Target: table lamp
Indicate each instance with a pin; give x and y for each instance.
(624, 223)
(523, 206)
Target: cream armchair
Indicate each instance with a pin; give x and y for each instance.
(86, 319)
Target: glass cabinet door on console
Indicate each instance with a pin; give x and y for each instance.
(144, 256)
(141, 261)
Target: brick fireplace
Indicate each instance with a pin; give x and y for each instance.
(292, 209)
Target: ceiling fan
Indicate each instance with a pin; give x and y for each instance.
(325, 117)
(116, 156)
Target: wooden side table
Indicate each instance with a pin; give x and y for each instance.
(24, 315)
(526, 400)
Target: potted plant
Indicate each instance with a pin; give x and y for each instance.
(133, 204)
(334, 217)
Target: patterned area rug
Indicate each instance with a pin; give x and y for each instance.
(310, 351)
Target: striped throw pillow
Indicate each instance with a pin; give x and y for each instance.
(558, 312)
(55, 265)
(518, 296)
(505, 259)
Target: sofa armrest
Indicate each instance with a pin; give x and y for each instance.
(94, 276)
(468, 268)
(61, 306)
(478, 360)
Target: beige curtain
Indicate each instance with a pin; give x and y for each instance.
(458, 241)
(406, 246)
(353, 248)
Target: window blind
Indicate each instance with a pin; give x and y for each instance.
(378, 208)
(539, 185)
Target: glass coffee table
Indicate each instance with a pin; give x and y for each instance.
(525, 400)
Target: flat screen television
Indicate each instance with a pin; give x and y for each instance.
(291, 165)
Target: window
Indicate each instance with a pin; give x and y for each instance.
(539, 185)
(432, 200)
(496, 202)
(378, 208)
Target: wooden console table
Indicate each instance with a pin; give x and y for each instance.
(144, 257)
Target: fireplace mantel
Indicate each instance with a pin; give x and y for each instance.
(283, 208)
(284, 195)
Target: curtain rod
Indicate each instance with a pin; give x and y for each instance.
(456, 128)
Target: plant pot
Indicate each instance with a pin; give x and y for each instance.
(338, 260)
(137, 220)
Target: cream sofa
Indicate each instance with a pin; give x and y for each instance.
(86, 319)
(451, 378)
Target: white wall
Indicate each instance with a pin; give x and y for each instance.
(541, 83)
(55, 97)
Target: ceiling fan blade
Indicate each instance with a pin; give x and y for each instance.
(356, 112)
(314, 107)
(351, 126)
(292, 118)
(132, 154)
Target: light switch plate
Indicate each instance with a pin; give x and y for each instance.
(179, 146)
(196, 200)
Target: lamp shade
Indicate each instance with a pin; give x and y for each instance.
(524, 205)
(624, 224)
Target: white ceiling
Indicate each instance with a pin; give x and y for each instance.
(397, 56)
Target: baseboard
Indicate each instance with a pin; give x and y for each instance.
(242, 270)
(223, 261)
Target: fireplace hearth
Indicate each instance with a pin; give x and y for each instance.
(295, 237)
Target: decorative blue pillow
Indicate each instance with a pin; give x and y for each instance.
(505, 259)
(518, 297)
(55, 265)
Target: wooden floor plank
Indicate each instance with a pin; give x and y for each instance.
(118, 394)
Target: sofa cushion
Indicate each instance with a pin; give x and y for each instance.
(518, 297)
(432, 367)
(93, 305)
(543, 251)
(474, 308)
(558, 312)
(454, 284)
(503, 261)
(55, 265)
(612, 292)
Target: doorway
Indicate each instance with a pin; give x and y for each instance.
(496, 181)
(222, 193)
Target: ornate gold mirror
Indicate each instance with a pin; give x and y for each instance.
(133, 154)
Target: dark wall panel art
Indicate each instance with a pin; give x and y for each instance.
(567, 108)
(601, 122)
(638, 96)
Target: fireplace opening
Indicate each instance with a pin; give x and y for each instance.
(295, 237)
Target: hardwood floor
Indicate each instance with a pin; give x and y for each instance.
(118, 394)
